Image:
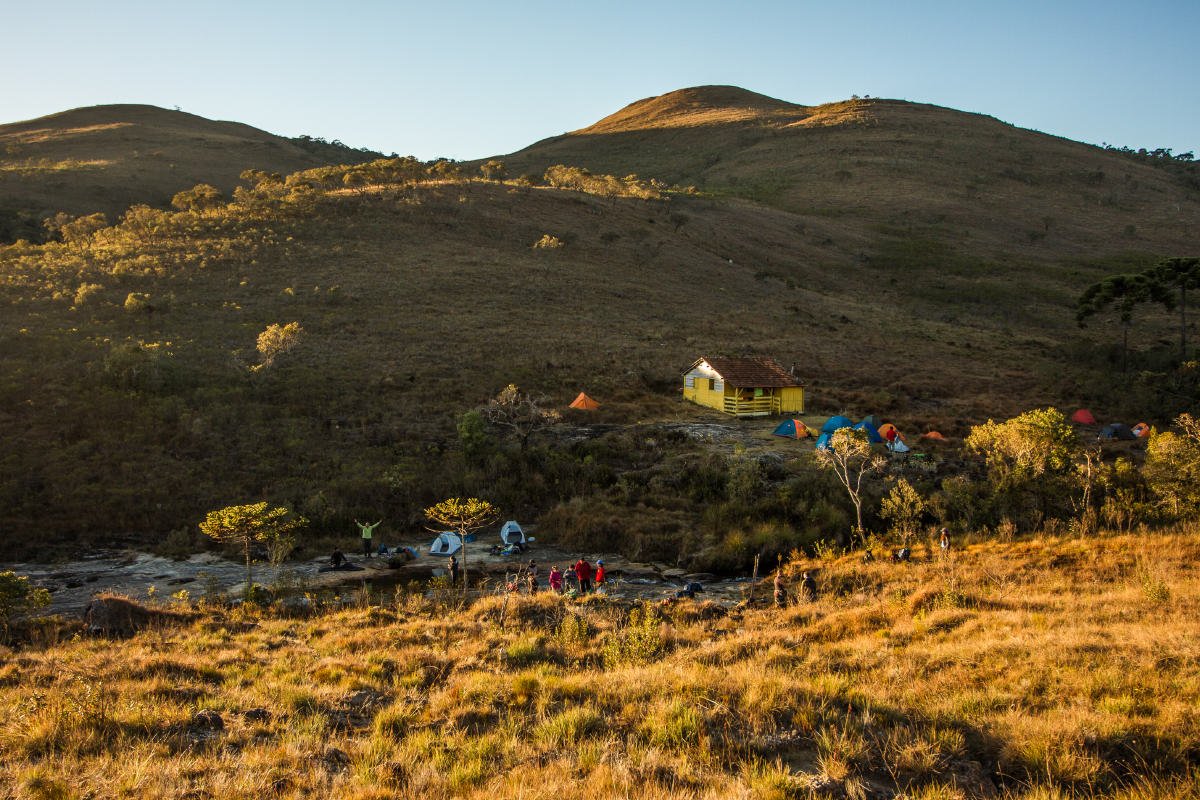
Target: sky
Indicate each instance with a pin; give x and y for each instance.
(466, 79)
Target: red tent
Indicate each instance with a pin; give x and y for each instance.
(585, 403)
(1083, 417)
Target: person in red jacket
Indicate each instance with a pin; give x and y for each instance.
(556, 582)
(599, 572)
(583, 574)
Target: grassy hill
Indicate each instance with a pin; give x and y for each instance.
(892, 171)
(1040, 669)
(107, 158)
(134, 399)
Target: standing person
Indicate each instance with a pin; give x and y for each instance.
(583, 574)
(452, 567)
(808, 588)
(944, 541)
(891, 438)
(780, 592)
(368, 532)
(532, 577)
(600, 574)
(556, 580)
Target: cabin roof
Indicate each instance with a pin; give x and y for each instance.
(750, 371)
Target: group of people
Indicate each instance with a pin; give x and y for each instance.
(808, 588)
(587, 579)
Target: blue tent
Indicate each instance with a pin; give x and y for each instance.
(792, 428)
(823, 441)
(836, 423)
(872, 432)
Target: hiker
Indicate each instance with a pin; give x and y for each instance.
(583, 574)
(780, 593)
(452, 567)
(532, 577)
(689, 591)
(891, 438)
(383, 549)
(336, 559)
(368, 531)
(808, 588)
(556, 580)
(944, 542)
(600, 574)
(903, 554)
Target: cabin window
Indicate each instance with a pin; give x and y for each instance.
(690, 381)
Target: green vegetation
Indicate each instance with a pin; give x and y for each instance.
(255, 523)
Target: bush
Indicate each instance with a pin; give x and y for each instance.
(18, 596)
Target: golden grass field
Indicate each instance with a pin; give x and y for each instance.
(1048, 667)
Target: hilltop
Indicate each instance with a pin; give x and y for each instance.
(107, 158)
(890, 170)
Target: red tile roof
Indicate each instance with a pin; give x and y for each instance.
(751, 372)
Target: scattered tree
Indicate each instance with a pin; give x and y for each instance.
(201, 197)
(18, 595)
(462, 517)
(850, 458)
(903, 507)
(275, 341)
(1172, 468)
(494, 170)
(247, 524)
(521, 413)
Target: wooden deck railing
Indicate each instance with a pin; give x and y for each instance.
(754, 407)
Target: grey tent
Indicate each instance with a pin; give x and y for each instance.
(1117, 430)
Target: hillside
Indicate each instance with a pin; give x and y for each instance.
(107, 158)
(135, 398)
(890, 170)
(1039, 669)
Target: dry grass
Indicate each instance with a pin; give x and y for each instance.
(1058, 678)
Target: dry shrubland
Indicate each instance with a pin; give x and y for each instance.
(1046, 667)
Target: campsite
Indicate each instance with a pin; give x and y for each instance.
(577, 424)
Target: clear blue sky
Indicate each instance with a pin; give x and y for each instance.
(471, 78)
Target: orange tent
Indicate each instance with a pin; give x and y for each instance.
(1141, 429)
(933, 435)
(1083, 417)
(585, 403)
(887, 426)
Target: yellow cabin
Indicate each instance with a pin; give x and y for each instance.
(752, 386)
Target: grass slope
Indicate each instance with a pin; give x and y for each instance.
(107, 158)
(421, 301)
(1045, 668)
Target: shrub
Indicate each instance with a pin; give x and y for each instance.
(17, 596)
(548, 242)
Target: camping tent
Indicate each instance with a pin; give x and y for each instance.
(873, 420)
(1140, 430)
(887, 426)
(899, 446)
(511, 533)
(933, 435)
(584, 403)
(446, 544)
(835, 423)
(1083, 417)
(1117, 430)
(872, 432)
(823, 441)
(793, 428)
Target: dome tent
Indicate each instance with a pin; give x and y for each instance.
(792, 428)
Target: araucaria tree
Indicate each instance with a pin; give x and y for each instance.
(462, 517)
(850, 458)
(1123, 293)
(245, 525)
